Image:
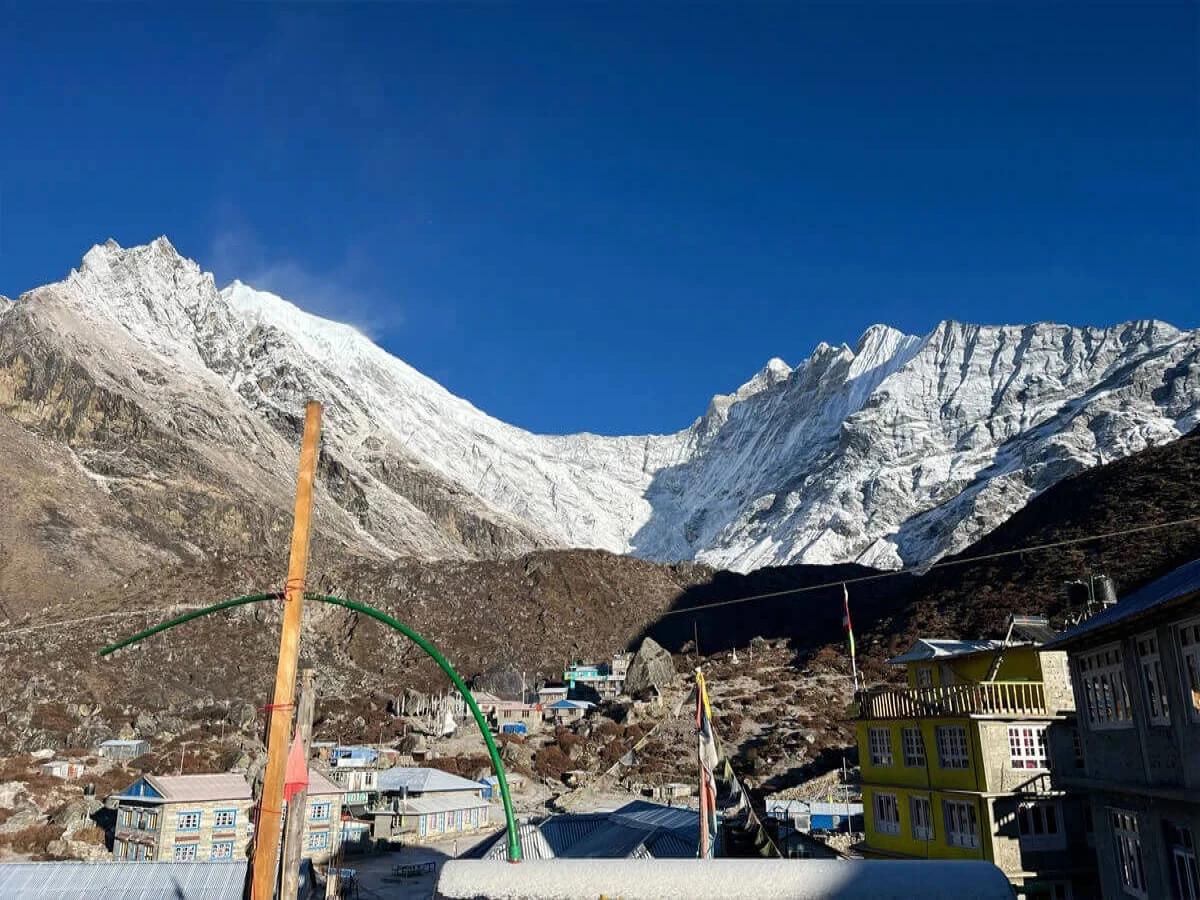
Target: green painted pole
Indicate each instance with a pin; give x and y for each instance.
(514, 837)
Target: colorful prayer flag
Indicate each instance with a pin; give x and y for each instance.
(706, 754)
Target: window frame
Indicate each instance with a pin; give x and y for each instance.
(1027, 748)
(314, 836)
(221, 851)
(924, 677)
(320, 811)
(878, 754)
(915, 760)
(1035, 812)
(1189, 664)
(922, 823)
(1153, 679)
(1104, 687)
(878, 807)
(967, 815)
(1183, 860)
(1127, 848)
(945, 748)
(185, 852)
(183, 814)
(217, 815)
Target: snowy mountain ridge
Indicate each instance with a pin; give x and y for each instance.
(895, 452)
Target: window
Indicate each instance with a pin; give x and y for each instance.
(319, 812)
(1076, 748)
(318, 840)
(1153, 682)
(120, 849)
(924, 677)
(185, 853)
(880, 740)
(1182, 849)
(962, 830)
(920, 812)
(1189, 646)
(152, 820)
(887, 814)
(126, 818)
(1039, 825)
(952, 747)
(1127, 843)
(188, 821)
(225, 818)
(1104, 691)
(1027, 746)
(914, 748)
(222, 850)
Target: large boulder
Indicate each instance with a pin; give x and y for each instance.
(651, 667)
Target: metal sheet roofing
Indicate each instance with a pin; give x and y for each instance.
(123, 880)
(933, 648)
(637, 829)
(417, 780)
(1175, 587)
(201, 788)
(424, 805)
(319, 784)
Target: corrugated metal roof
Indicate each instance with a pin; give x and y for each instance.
(571, 704)
(933, 648)
(423, 805)
(1179, 585)
(123, 880)
(638, 829)
(319, 784)
(201, 788)
(417, 780)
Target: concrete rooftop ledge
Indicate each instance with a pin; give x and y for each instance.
(721, 879)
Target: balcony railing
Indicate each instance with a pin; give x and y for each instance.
(992, 698)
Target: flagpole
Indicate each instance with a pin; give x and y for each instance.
(849, 634)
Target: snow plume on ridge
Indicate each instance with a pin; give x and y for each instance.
(893, 452)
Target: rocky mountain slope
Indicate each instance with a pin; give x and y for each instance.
(159, 418)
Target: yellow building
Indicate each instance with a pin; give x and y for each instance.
(954, 764)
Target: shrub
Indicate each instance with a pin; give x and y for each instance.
(550, 762)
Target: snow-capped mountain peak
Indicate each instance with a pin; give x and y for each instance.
(893, 452)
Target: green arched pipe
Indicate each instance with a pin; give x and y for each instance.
(514, 837)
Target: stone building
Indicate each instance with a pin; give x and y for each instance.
(1134, 750)
(183, 818)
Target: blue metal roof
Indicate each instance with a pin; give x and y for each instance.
(123, 880)
(1178, 585)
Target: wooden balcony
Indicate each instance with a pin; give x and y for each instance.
(1014, 699)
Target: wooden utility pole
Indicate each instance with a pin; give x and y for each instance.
(293, 833)
(270, 803)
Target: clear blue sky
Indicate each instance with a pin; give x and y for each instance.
(590, 216)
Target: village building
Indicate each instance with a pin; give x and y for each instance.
(418, 804)
(491, 784)
(516, 717)
(1134, 751)
(183, 818)
(63, 768)
(353, 757)
(954, 764)
(551, 693)
(360, 784)
(322, 819)
(123, 749)
(564, 712)
(605, 680)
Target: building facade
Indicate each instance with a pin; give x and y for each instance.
(954, 765)
(183, 818)
(1134, 750)
(418, 804)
